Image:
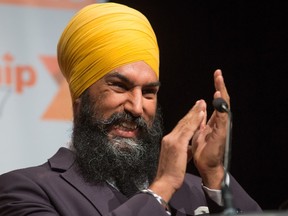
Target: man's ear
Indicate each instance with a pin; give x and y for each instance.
(76, 106)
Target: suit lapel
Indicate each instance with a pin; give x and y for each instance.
(100, 195)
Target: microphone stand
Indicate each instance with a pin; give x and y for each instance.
(226, 194)
(221, 106)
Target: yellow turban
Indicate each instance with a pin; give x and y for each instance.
(100, 38)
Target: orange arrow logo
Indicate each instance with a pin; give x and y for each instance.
(61, 107)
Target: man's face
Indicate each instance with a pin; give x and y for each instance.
(131, 89)
(117, 131)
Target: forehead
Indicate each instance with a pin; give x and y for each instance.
(136, 72)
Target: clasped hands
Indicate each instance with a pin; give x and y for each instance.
(194, 137)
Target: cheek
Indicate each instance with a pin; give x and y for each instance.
(108, 104)
(150, 108)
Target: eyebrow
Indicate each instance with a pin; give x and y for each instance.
(125, 79)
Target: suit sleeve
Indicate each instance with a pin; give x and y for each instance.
(21, 196)
(241, 200)
(141, 205)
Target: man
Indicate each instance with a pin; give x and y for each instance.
(118, 162)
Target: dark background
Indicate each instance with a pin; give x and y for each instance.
(248, 41)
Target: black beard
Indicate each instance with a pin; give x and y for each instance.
(127, 163)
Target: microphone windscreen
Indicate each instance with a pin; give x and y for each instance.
(220, 105)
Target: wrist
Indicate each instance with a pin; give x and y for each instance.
(213, 178)
(163, 189)
(159, 199)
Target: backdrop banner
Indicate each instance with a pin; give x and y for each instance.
(35, 107)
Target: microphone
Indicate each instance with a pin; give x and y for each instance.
(222, 106)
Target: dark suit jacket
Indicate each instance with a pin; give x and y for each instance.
(55, 188)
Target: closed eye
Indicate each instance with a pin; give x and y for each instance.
(150, 93)
(119, 86)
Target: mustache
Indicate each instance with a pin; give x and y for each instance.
(118, 118)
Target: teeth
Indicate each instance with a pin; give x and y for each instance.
(128, 125)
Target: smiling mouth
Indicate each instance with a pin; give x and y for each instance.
(128, 126)
(125, 129)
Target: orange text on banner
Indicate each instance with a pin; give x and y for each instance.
(16, 76)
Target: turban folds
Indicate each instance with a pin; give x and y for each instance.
(100, 38)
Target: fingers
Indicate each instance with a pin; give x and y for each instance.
(175, 144)
(220, 91)
(220, 87)
(218, 120)
(193, 120)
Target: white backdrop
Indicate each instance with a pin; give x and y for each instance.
(35, 107)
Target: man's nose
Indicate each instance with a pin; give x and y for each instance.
(134, 103)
